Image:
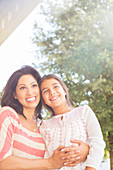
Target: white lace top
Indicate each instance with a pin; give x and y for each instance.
(80, 123)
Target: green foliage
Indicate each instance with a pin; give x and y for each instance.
(45, 114)
(77, 45)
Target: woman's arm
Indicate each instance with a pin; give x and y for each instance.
(60, 158)
(18, 163)
(90, 168)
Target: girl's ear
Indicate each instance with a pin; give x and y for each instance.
(65, 93)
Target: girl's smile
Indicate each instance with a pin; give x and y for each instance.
(54, 98)
(54, 95)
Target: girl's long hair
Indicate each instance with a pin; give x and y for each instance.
(52, 76)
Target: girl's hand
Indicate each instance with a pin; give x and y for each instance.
(82, 150)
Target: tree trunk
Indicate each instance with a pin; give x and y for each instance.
(111, 159)
(111, 149)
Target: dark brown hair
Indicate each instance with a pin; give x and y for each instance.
(52, 76)
(8, 98)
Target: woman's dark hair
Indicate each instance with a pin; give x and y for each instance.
(52, 76)
(10, 88)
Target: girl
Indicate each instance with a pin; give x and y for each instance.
(69, 123)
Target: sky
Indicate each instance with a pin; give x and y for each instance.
(18, 49)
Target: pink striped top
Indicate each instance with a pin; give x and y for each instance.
(17, 140)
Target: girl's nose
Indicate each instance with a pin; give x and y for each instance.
(52, 92)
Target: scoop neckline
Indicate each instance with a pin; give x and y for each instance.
(26, 128)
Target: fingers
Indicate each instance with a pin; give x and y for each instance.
(79, 142)
(60, 148)
(71, 164)
(70, 157)
(72, 150)
(72, 154)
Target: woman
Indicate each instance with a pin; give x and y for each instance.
(69, 123)
(21, 144)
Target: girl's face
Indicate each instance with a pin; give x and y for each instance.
(27, 92)
(53, 93)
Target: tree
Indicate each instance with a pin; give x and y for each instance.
(77, 45)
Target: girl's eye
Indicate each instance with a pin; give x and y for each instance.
(56, 86)
(45, 91)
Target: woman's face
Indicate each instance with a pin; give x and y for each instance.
(27, 92)
(53, 93)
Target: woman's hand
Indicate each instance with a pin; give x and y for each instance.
(63, 156)
(75, 154)
(90, 168)
(58, 158)
(69, 156)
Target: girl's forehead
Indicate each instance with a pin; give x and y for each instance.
(49, 82)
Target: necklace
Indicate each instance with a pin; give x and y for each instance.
(35, 130)
(33, 125)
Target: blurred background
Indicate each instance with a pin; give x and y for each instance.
(70, 38)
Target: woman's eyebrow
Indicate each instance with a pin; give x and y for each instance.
(34, 82)
(21, 85)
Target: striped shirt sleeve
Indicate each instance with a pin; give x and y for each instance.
(6, 133)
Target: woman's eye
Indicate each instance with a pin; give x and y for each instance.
(34, 85)
(22, 88)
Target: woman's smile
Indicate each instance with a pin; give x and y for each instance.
(27, 92)
(31, 99)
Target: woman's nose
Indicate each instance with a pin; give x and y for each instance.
(29, 91)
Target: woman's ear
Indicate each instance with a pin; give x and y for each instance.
(14, 95)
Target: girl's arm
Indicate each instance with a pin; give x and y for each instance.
(95, 139)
